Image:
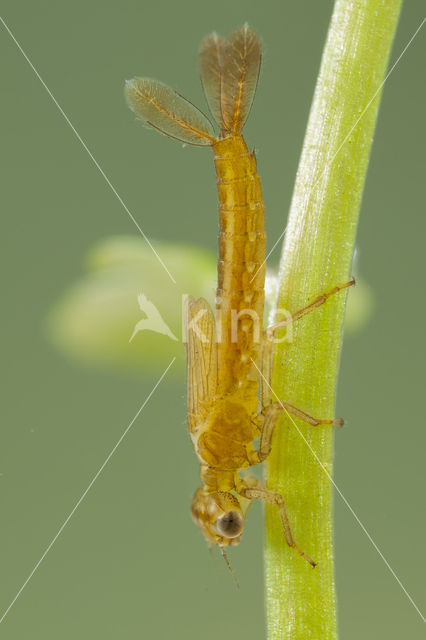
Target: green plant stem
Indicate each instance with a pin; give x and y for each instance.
(317, 255)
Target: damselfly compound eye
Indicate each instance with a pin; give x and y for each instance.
(230, 525)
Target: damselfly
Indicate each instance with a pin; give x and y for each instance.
(227, 349)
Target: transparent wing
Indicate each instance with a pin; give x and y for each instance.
(168, 111)
(210, 57)
(242, 55)
(202, 359)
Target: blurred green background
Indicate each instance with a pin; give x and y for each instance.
(130, 563)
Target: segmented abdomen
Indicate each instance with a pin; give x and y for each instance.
(241, 267)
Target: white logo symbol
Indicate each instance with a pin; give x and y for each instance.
(153, 321)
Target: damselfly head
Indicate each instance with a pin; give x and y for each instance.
(219, 516)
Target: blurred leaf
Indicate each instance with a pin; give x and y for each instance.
(95, 319)
(359, 307)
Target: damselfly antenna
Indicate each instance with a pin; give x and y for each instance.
(225, 557)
